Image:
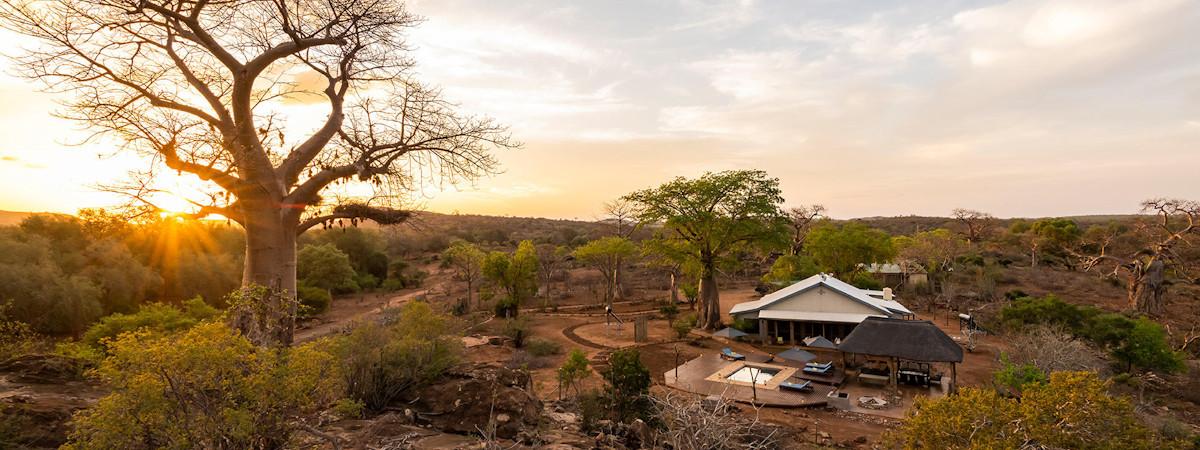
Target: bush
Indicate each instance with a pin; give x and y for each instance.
(669, 311)
(1015, 377)
(207, 387)
(683, 325)
(16, 338)
(573, 370)
(349, 409)
(864, 280)
(1146, 347)
(743, 325)
(981, 418)
(313, 300)
(380, 362)
(518, 330)
(628, 383)
(542, 347)
(158, 318)
(593, 407)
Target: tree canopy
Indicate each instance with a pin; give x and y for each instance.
(712, 217)
(840, 249)
(606, 254)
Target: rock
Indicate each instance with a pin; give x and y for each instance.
(640, 432)
(860, 440)
(823, 435)
(43, 369)
(469, 398)
(41, 421)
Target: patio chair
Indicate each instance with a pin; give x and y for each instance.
(728, 353)
(799, 387)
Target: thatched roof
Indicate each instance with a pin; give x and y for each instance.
(914, 340)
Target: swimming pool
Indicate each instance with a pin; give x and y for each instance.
(756, 375)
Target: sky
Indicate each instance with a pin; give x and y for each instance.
(1019, 108)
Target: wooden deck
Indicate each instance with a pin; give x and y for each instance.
(694, 374)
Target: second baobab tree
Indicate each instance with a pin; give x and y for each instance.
(203, 88)
(710, 219)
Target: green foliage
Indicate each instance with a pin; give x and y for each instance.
(690, 291)
(863, 280)
(16, 338)
(361, 247)
(1139, 342)
(313, 300)
(515, 274)
(324, 266)
(1015, 377)
(683, 325)
(207, 387)
(606, 254)
(628, 383)
(349, 409)
(593, 407)
(467, 261)
(788, 269)
(840, 249)
(669, 311)
(154, 318)
(1146, 347)
(542, 347)
(1071, 410)
(573, 370)
(743, 325)
(381, 362)
(517, 329)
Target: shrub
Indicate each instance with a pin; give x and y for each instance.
(207, 387)
(380, 362)
(683, 325)
(669, 311)
(593, 406)
(1146, 347)
(1015, 377)
(313, 300)
(517, 329)
(628, 383)
(542, 347)
(864, 280)
(981, 418)
(16, 338)
(572, 371)
(349, 409)
(743, 325)
(154, 318)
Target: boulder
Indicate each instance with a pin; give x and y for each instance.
(472, 399)
(42, 369)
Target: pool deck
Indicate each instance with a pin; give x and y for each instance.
(694, 377)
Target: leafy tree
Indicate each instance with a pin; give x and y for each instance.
(467, 262)
(935, 251)
(606, 254)
(790, 268)
(802, 220)
(551, 261)
(573, 370)
(208, 387)
(194, 89)
(362, 247)
(324, 266)
(1145, 346)
(841, 249)
(1071, 410)
(628, 384)
(712, 218)
(123, 280)
(515, 274)
(976, 224)
(1052, 236)
(1015, 377)
(313, 300)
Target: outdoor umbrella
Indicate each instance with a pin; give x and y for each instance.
(819, 342)
(795, 354)
(731, 333)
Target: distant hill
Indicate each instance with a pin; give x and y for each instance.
(13, 217)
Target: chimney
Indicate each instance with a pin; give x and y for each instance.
(887, 293)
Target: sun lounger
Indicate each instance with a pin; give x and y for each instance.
(800, 387)
(822, 366)
(819, 370)
(728, 353)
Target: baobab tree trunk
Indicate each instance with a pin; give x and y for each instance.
(1148, 287)
(710, 300)
(617, 276)
(674, 289)
(267, 315)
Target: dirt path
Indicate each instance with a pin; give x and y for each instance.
(346, 311)
(569, 332)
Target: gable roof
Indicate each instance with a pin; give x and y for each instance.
(886, 307)
(914, 340)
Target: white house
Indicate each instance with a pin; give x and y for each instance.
(820, 305)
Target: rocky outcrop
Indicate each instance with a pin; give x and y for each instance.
(479, 399)
(42, 369)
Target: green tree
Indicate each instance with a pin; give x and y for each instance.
(935, 251)
(712, 218)
(1146, 347)
(841, 249)
(789, 268)
(628, 384)
(605, 255)
(467, 262)
(324, 266)
(573, 370)
(1052, 236)
(515, 274)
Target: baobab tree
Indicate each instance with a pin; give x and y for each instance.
(1148, 263)
(623, 214)
(202, 87)
(975, 223)
(802, 219)
(710, 219)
